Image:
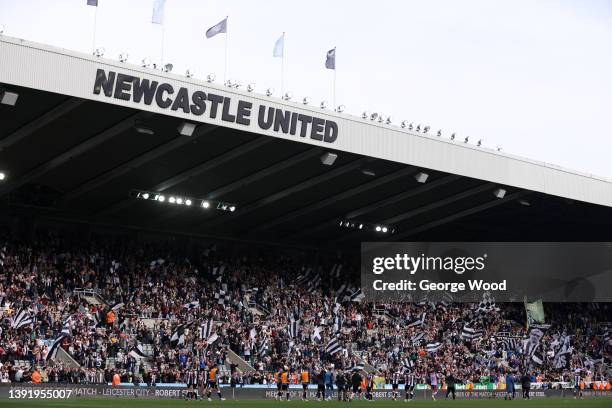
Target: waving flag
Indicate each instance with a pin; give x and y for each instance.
(220, 27)
(158, 12)
(333, 346)
(279, 47)
(330, 60)
(22, 318)
(92, 3)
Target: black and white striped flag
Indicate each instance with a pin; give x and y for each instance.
(294, 327)
(54, 347)
(137, 352)
(433, 347)
(418, 322)
(206, 329)
(263, 347)
(22, 318)
(333, 346)
(192, 305)
(178, 336)
(357, 296)
(417, 338)
(222, 297)
(470, 333)
(117, 306)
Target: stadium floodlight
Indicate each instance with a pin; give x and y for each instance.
(404, 123)
(410, 127)
(167, 67)
(439, 133)
(340, 108)
(323, 105)
(479, 143)
(418, 128)
(368, 172)
(145, 196)
(123, 57)
(250, 87)
(2, 29)
(360, 226)
(378, 228)
(186, 128)
(287, 96)
(384, 229)
(499, 148)
(161, 198)
(210, 78)
(143, 129)
(188, 202)
(172, 200)
(388, 121)
(8, 98)
(146, 63)
(228, 83)
(426, 129)
(365, 114)
(381, 117)
(188, 73)
(525, 203)
(99, 52)
(421, 177)
(236, 84)
(269, 91)
(179, 201)
(2, 176)
(453, 136)
(205, 204)
(232, 208)
(329, 158)
(467, 139)
(373, 116)
(499, 192)
(306, 100)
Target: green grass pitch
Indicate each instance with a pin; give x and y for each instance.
(158, 403)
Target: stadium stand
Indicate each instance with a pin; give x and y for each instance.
(165, 312)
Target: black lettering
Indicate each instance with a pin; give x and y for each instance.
(331, 131)
(305, 120)
(281, 120)
(144, 88)
(181, 100)
(264, 123)
(243, 112)
(122, 86)
(215, 100)
(225, 115)
(104, 83)
(316, 132)
(293, 123)
(199, 106)
(159, 95)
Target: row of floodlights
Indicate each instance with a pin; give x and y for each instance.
(180, 200)
(362, 226)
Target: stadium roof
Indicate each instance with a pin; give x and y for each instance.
(86, 132)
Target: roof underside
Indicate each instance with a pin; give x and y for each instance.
(73, 159)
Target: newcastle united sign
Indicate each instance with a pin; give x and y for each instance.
(198, 103)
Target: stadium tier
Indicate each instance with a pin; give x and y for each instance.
(160, 230)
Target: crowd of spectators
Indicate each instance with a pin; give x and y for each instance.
(140, 310)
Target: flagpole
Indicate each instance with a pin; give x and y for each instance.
(334, 96)
(283, 68)
(226, 40)
(161, 62)
(94, 29)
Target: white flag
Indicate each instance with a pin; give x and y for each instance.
(279, 47)
(158, 12)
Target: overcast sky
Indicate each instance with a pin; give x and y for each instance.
(534, 77)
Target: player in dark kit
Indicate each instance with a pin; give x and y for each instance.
(355, 386)
(409, 384)
(321, 385)
(341, 385)
(526, 385)
(369, 387)
(450, 385)
(577, 384)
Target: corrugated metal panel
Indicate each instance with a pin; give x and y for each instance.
(65, 72)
